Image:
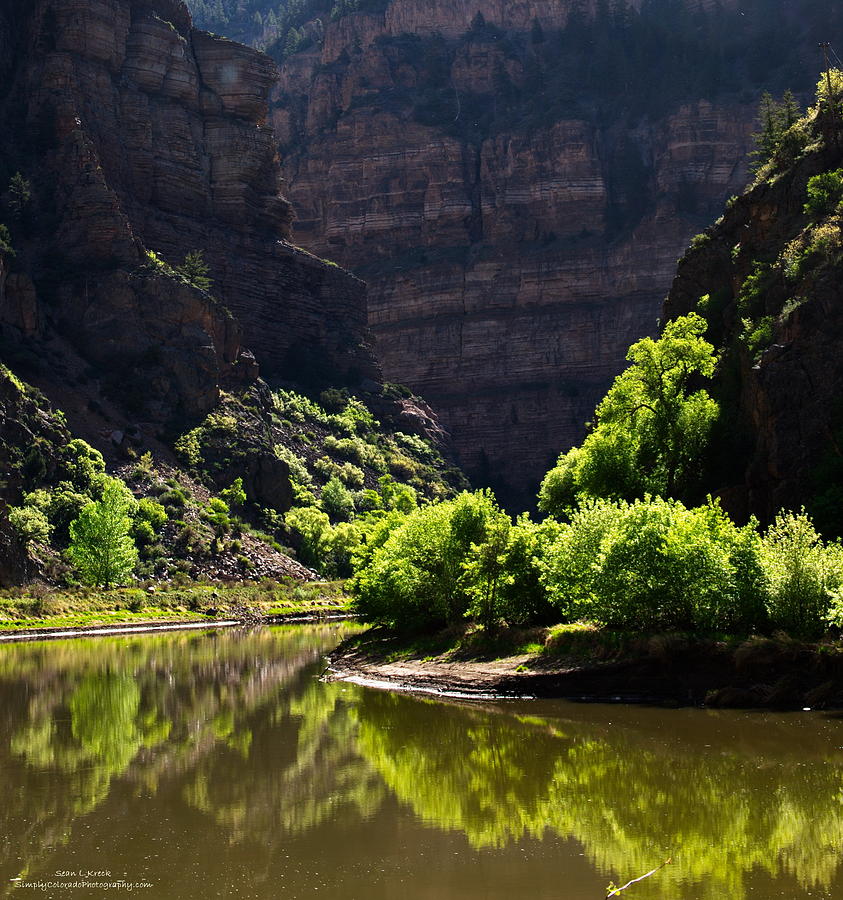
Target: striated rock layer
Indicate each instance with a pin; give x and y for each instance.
(510, 264)
(139, 133)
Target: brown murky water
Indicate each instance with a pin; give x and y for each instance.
(218, 765)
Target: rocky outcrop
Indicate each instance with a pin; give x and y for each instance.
(512, 253)
(144, 134)
(774, 303)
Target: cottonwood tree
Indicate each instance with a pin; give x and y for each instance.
(650, 429)
(101, 546)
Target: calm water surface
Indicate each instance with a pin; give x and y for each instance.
(218, 765)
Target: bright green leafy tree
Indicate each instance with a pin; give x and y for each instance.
(655, 564)
(418, 575)
(803, 574)
(651, 427)
(486, 571)
(101, 546)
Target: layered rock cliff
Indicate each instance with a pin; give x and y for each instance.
(135, 133)
(147, 282)
(515, 183)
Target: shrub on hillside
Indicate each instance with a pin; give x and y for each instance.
(824, 192)
(30, 524)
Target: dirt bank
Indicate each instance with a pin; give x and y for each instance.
(758, 672)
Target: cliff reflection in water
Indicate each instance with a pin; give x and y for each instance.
(234, 727)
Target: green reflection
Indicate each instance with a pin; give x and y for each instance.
(486, 775)
(80, 714)
(232, 738)
(629, 798)
(323, 778)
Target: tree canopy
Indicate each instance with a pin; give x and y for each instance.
(651, 427)
(100, 543)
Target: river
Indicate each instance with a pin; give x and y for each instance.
(217, 764)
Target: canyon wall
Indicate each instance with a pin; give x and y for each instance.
(518, 225)
(138, 133)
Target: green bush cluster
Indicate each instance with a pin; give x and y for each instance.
(646, 566)
(417, 575)
(824, 192)
(363, 473)
(756, 335)
(451, 560)
(330, 535)
(655, 565)
(81, 478)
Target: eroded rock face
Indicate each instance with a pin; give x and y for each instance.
(507, 274)
(147, 135)
(780, 443)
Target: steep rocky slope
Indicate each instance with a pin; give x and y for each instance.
(768, 278)
(515, 182)
(130, 142)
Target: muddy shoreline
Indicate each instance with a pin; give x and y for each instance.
(769, 673)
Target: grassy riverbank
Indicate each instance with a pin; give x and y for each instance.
(585, 662)
(36, 607)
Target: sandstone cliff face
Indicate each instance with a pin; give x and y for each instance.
(509, 266)
(139, 133)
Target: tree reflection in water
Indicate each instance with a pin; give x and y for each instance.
(239, 726)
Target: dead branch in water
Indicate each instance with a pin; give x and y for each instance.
(613, 892)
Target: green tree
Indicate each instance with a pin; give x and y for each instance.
(776, 119)
(834, 78)
(337, 500)
(655, 564)
(486, 570)
(30, 524)
(6, 241)
(824, 192)
(521, 596)
(397, 496)
(417, 575)
(83, 464)
(234, 495)
(314, 529)
(294, 40)
(803, 574)
(195, 270)
(101, 546)
(651, 428)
